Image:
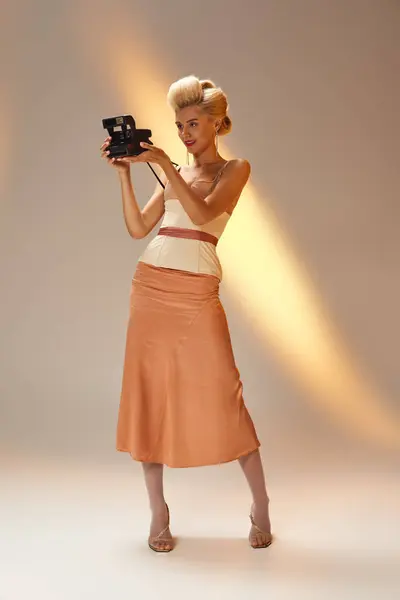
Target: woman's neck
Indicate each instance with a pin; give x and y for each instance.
(209, 156)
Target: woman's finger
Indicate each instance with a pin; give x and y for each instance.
(106, 142)
(129, 159)
(149, 146)
(121, 159)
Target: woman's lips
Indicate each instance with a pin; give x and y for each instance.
(189, 142)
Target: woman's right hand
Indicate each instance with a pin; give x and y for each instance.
(120, 166)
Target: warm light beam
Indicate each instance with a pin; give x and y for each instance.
(261, 271)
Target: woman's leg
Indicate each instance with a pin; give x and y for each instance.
(153, 475)
(254, 473)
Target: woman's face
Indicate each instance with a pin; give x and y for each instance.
(196, 129)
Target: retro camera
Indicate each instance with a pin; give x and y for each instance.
(125, 138)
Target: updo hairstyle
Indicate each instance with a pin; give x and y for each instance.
(191, 91)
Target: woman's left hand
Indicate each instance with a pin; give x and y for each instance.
(152, 155)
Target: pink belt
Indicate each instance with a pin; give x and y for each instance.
(188, 234)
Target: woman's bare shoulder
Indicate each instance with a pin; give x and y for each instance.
(241, 164)
(238, 168)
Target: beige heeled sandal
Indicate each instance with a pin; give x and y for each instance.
(266, 535)
(155, 540)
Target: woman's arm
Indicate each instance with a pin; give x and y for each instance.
(220, 199)
(139, 222)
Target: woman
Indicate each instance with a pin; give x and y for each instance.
(181, 401)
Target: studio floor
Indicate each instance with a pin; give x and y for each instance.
(72, 531)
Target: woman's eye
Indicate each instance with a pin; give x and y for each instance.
(193, 124)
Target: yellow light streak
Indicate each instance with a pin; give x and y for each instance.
(261, 269)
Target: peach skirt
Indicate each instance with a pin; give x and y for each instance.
(181, 401)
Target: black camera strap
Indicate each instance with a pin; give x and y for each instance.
(157, 177)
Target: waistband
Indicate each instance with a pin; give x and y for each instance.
(188, 234)
(167, 284)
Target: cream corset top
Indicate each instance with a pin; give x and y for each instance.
(176, 216)
(194, 255)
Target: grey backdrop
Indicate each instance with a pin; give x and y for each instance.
(314, 94)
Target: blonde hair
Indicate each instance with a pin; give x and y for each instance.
(191, 91)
